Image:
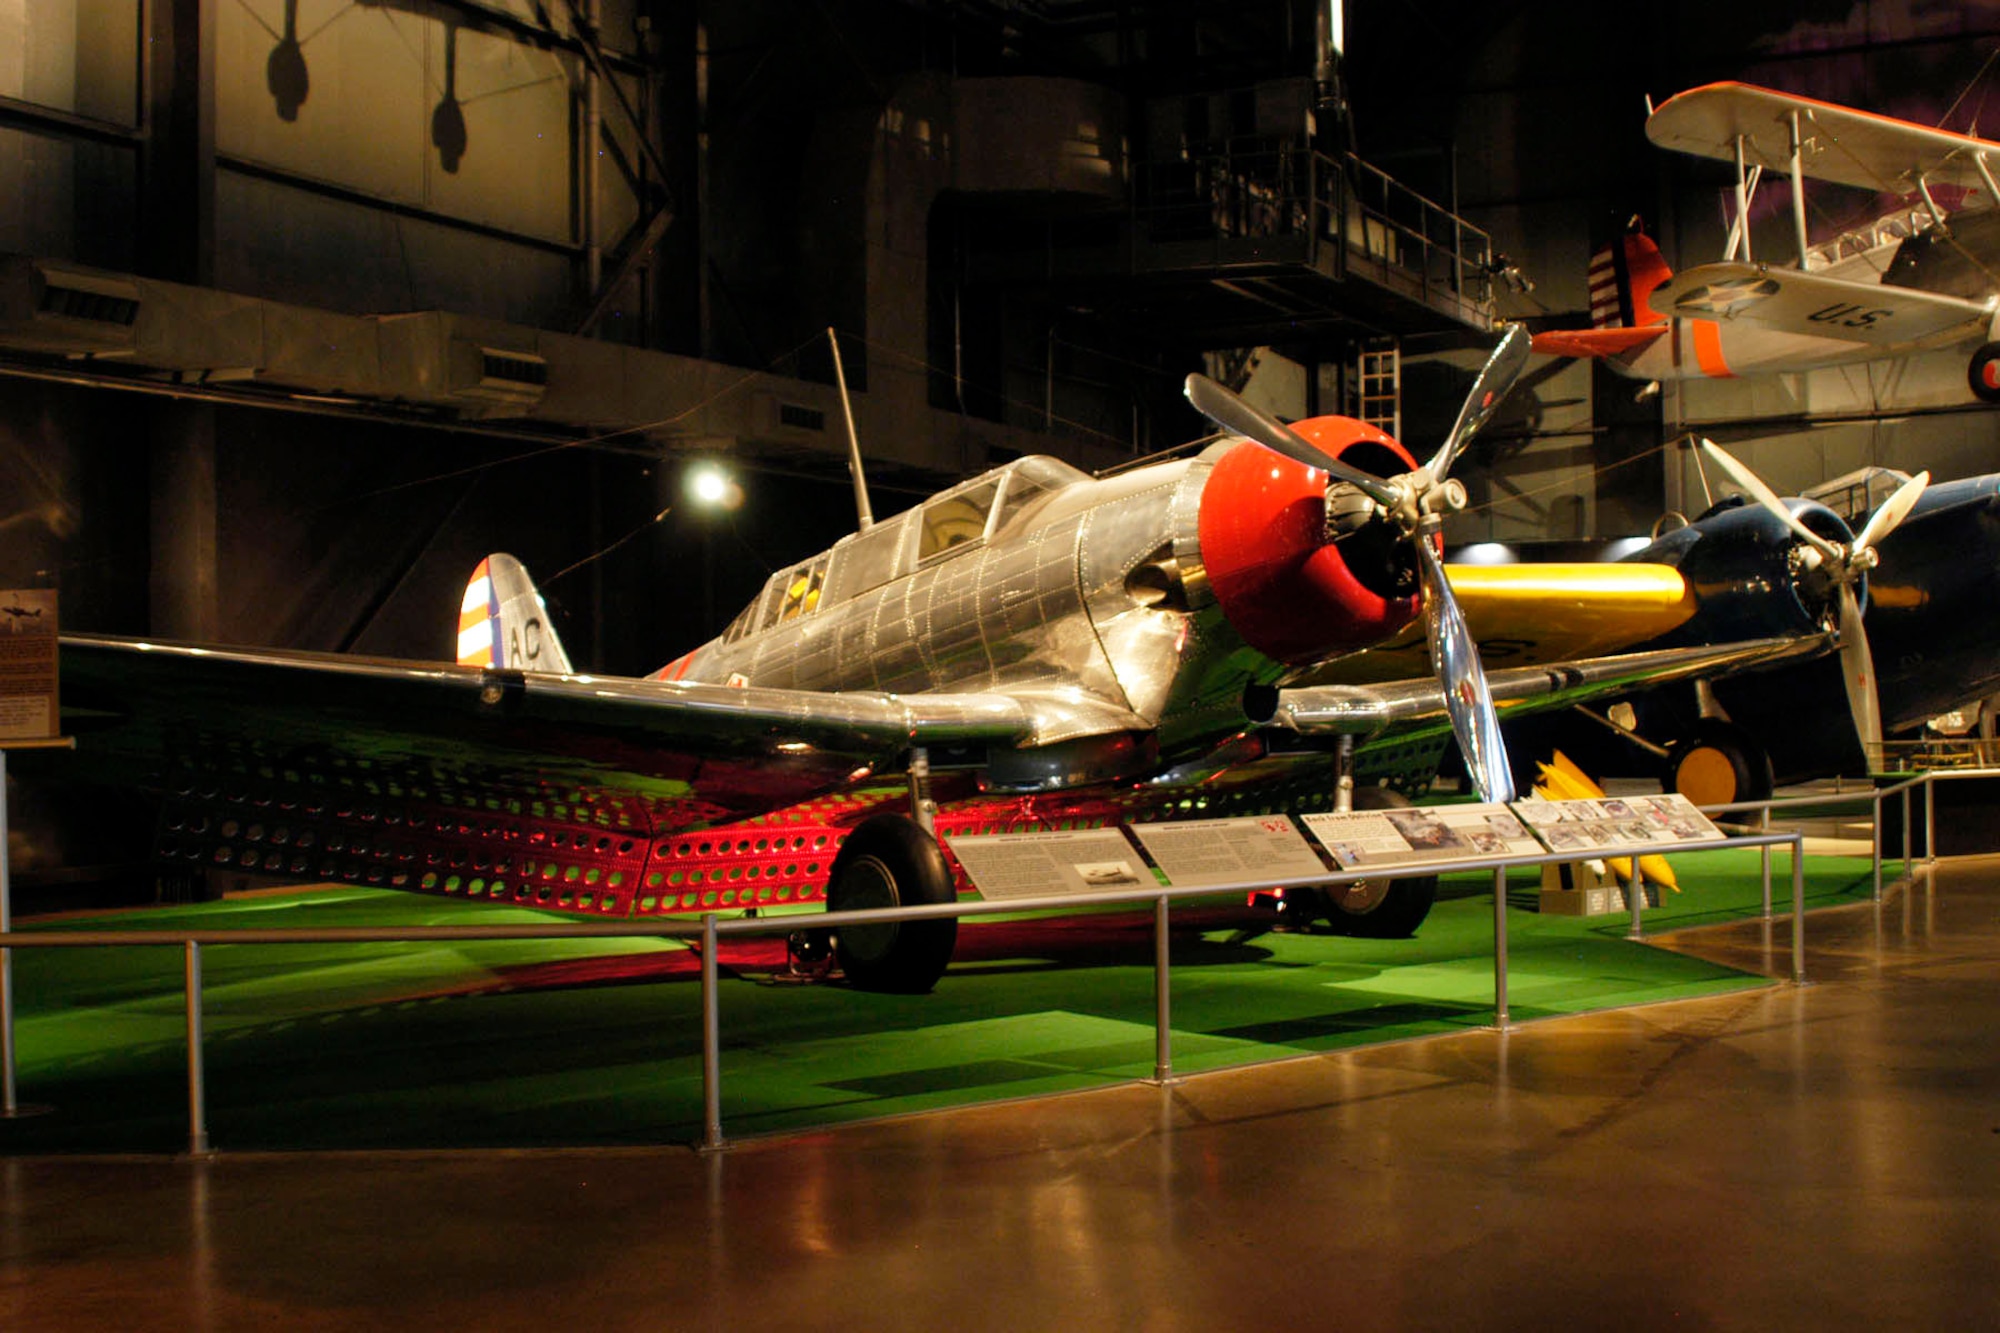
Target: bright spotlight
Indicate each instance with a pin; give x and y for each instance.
(712, 488)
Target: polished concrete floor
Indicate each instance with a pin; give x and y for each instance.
(1788, 1157)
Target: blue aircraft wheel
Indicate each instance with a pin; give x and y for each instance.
(1380, 909)
(1984, 373)
(889, 861)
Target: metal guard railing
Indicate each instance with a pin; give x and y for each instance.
(709, 930)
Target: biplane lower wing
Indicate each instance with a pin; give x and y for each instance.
(1591, 344)
(1794, 301)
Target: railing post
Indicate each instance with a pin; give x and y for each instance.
(1799, 908)
(1877, 802)
(197, 1083)
(1500, 1015)
(1636, 886)
(1163, 1039)
(1764, 827)
(1906, 831)
(711, 1043)
(1930, 819)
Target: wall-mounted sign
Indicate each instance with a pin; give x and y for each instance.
(28, 665)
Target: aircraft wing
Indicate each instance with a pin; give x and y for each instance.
(1415, 705)
(1798, 302)
(1839, 144)
(1594, 343)
(644, 755)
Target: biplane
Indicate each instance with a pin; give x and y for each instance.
(1915, 279)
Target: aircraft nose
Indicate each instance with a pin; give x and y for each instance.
(1291, 594)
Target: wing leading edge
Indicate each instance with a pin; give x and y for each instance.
(647, 755)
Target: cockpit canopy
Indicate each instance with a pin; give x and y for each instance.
(946, 525)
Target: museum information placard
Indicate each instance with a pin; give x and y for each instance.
(1259, 848)
(1035, 865)
(1415, 834)
(1617, 823)
(28, 665)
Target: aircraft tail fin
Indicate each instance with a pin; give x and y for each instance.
(502, 621)
(1622, 275)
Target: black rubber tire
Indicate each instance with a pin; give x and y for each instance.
(1983, 373)
(889, 861)
(1377, 909)
(1719, 764)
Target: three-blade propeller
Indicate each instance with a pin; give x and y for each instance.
(1415, 503)
(1845, 564)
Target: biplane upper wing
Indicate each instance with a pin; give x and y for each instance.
(1837, 143)
(1812, 303)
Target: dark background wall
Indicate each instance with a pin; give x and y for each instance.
(786, 145)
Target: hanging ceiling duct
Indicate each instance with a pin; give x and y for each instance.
(48, 307)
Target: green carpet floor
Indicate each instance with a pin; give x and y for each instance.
(598, 1042)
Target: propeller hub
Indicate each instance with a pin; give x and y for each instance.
(1450, 496)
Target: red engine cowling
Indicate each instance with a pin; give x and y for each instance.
(1291, 594)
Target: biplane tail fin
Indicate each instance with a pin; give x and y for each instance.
(503, 622)
(1622, 275)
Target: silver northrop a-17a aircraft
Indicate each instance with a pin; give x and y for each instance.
(1916, 279)
(1238, 631)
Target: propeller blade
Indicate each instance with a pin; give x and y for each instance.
(1456, 659)
(1496, 377)
(1893, 511)
(1231, 413)
(1857, 671)
(1754, 487)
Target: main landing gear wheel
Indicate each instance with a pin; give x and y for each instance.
(1380, 909)
(1719, 764)
(1984, 373)
(889, 861)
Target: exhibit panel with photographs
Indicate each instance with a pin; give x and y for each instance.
(1616, 824)
(1358, 840)
(1270, 848)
